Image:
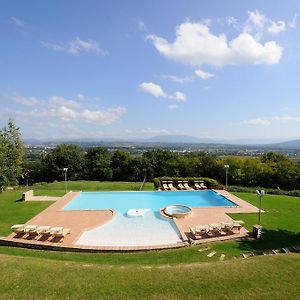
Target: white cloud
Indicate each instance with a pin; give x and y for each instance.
(269, 121)
(172, 106)
(196, 45)
(231, 20)
(258, 24)
(58, 107)
(258, 122)
(80, 96)
(177, 78)
(65, 113)
(141, 25)
(286, 118)
(276, 27)
(206, 21)
(18, 22)
(204, 75)
(293, 22)
(104, 116)
(76, 46)
(52, 101)
(157, 91)
(31, 101)
(100, 117)
(153, 89)
(154, 131)
(146, 132)
(61, 101)
(178, 96)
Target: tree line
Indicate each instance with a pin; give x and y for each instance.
(271, 170)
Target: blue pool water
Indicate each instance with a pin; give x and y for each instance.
(121, 202)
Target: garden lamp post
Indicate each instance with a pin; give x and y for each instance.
(226, 175)
(256, 232)
(260, 193)
(66, 179)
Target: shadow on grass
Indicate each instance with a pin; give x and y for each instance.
(270, 239)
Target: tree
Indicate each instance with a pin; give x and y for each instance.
(12, 154)
(63, 156)
(120, 163)
(98, 164)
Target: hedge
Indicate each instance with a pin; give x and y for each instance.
(243, 189)
(209, 182)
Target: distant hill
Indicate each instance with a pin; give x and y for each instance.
(178, 139)
(174, 139)
(294, 144)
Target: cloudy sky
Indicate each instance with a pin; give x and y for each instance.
(92, 69)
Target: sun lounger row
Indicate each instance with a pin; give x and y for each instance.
(214, 230)
(183, 185)
(41, 232)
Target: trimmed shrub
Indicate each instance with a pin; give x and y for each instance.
(209, 182)
(243, 189)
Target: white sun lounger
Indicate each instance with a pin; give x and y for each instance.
(43, 230)
(186, 185)
(18, 228)
(165, 185)
(171, 186)
(61, 233)
(180, 185)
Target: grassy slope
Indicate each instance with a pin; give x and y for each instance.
(280, 221)
(154, 274)
(256, 278)
(13, 211)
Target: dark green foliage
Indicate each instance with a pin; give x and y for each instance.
(98, 164)
(63, 156)
(243, 189)
(11, 154)
(210, 183)
(272, 170)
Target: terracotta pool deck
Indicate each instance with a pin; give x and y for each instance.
(80, 221)
(77, 221)
(213, 215)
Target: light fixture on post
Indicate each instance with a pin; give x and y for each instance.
(226, 175)
(257, 228)
(260, 193)
(66, 178)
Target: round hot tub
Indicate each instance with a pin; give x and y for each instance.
(177, 211)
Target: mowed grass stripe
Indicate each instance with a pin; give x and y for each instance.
(275, 277)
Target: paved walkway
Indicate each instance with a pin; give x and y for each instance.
(85, 221)
(212, 215)
(78, 221)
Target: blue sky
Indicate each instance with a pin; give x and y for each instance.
(135, 69)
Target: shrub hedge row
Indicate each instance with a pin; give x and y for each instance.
(243, 189)
(209, 182)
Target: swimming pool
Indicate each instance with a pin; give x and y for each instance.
(121, 202)
(138, 221)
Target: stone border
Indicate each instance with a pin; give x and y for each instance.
(29, 196)
(4, 241)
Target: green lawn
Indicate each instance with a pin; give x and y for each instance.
(176, 274)
(13, 211)
(281, 222)
(58, 188)
(272, 277)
